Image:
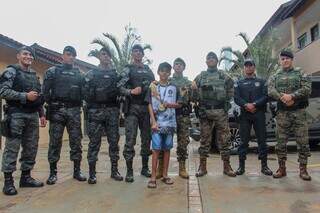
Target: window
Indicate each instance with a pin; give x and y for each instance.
(302, 41)
(314, 32)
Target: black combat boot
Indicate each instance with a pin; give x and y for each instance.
(114, 171)
(241, 169)
(202, 170)
(92, 173)
(8, 187)
(129, 175)
(264, 168)
(27, 181)
(145, 168)
(52, 179)
(77, 174)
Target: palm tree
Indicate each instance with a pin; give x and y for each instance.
(260, 50)
(121, 53)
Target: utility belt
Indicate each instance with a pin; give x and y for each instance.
(138, 101)
(212, 106)
(21, 108)
(300, 105)
(58, 105)
(100, 105)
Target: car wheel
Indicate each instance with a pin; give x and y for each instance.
(235, 139)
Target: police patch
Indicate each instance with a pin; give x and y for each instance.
(257, 84)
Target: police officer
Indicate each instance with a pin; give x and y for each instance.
(21, 89)
(291, 88)
(251, 95)
(62, 91)
(134, 84)
(100, 93)
(214, 89)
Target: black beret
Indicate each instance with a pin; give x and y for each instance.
(70, 49)
(164, 66)
(29, 49)
(179, 60)
(286, 52)
(212, 55)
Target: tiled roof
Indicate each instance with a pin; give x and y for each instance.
(44, 54)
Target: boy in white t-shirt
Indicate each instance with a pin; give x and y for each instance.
(163, 99)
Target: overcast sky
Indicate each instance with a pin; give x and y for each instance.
(174, 28)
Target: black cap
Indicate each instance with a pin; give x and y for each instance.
(70, 49)
(164, 66)
(212, 55)
(29, 49)
(138, 47)
(249, 61)
(286, 52)
(104, 49)
(179, 60)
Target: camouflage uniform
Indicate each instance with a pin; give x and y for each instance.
(62, 91)
(291, 119)
(215, 92)
(137, 114)
(24, 118)
(63, 111)
(182, 114)
(21, 125)
(100, 93)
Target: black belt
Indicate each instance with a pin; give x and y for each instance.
(219, 106)
(64, 104)
(14, 109)
(95, 105)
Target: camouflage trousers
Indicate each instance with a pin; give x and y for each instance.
(137, 116)
(289, 122)
(215, 118)
(100, 121)
(24, 133)
(183, 124)
(59, 119)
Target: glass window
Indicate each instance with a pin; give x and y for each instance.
(314, 32)
(302, 41)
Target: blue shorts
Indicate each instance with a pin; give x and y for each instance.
(161, 141)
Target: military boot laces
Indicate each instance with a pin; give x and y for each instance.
(129, 175)
(265, 169)
(145, 168)
(202, 170)
(52, 179)
(281, 172)
(27, 181)
(77, 174)
(241, 170)
(227, 169)
(182, 170)
(304, 173)
(8, 187)
(92, 174)
(115, 173)
(160, 169)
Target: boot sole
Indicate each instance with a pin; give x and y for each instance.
(30, 186)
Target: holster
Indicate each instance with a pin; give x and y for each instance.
(5, 123)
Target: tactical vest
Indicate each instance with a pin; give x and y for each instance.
(67, 85)
(103, 87)
(25, 81)
(289, 82)
(184, 86)
(212, 88)
(140, 77)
